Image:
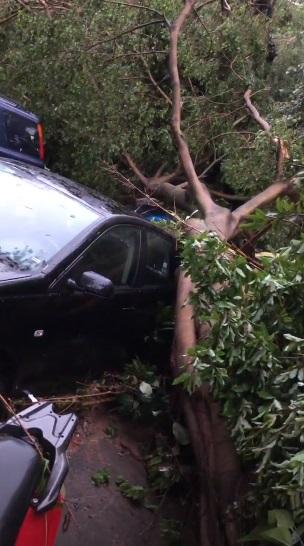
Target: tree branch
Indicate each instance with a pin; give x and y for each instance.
(144, 180)
(199, 189)
(161, 187)
(128, 31)
(226, 8)
(255, 113)
(8, 18)
(154, 82)
(227, 196)
(282, 151)
(24, 5)
(139, 6)
(214, 162)
(282, 154)
(262, 199)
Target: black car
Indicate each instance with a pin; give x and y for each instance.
(76, 272)
(21, 134)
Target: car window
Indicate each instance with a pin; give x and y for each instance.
(158, 257)
(114, 255)
(22, 135)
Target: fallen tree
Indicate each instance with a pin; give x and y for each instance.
(219, 470)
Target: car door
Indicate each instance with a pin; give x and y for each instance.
(157, 280)
(90, 320)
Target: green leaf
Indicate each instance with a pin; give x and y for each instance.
(276, 535)
(182, 378)
(280, 518)
(298, 458)
(101, 477)
(135, 493)
(290, 337)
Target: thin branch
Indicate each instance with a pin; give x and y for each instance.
(46, 7)
(128, 31)
(197, 15)
(24, 5)
(144, 180)
(158, 178)
(282, 151)
(226, 8)
(238, 121)
(139, 6)
(154, 82)
(255, 113)
(214, 162)
(228, 196)
(8, 18)
(160, 169)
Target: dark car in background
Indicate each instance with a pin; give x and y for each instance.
(76, 272)
(21, 134)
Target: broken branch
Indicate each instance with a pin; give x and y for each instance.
(255, 113)
(199, 189)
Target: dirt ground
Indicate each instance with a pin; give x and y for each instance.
(101, 516)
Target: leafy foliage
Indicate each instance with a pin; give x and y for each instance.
(162, 468)
(279, 530)
(147, 398)
(101, 477)
(253, 358)
(87, 70)
(135, 493)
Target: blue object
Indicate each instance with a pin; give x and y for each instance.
(154, 214)
(157, 217)
(21, 134)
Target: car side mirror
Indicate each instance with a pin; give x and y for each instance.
(93, 283)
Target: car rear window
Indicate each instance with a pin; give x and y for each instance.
(22, 135)
(36, 220)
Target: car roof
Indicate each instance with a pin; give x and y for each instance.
(104, 206)
(12, 106)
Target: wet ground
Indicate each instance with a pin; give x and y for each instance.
(102, 515)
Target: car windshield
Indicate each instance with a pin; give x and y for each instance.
(36, 220)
